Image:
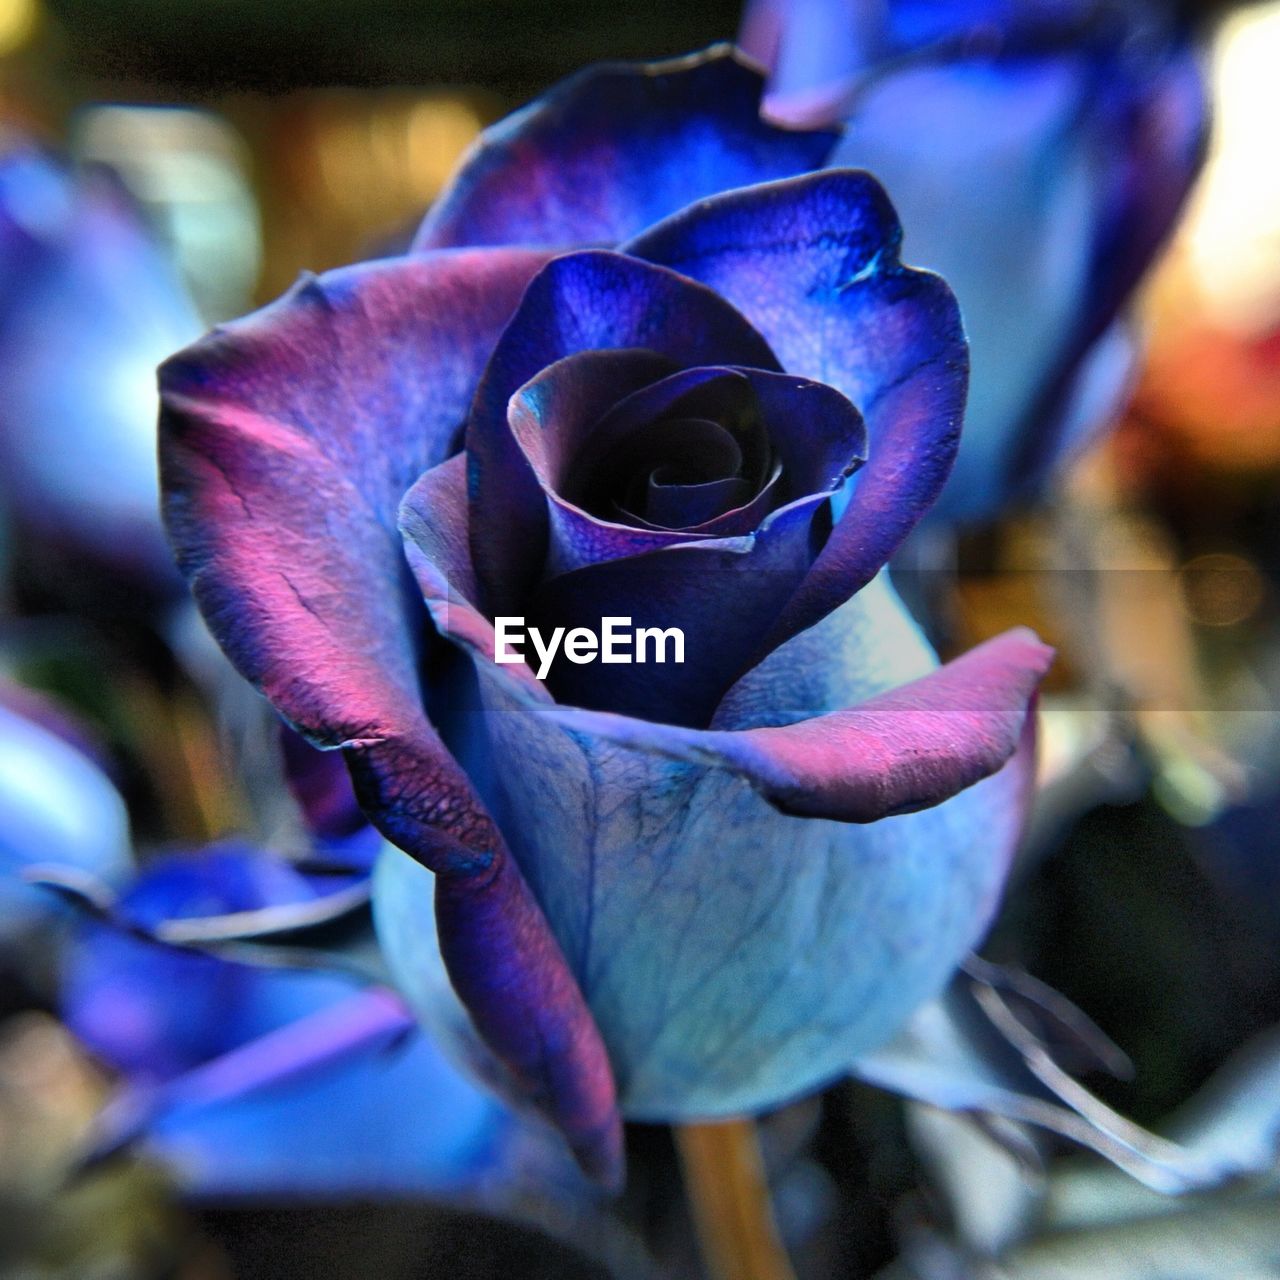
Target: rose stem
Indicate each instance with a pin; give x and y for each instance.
(724, 1180)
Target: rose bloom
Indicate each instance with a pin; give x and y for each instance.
(89, 304)
(689, 889)
(1038, 152)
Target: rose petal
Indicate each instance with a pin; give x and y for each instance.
(613, 149)
(904, 750)
(1162, 123)
(813, 263)
(773, 950)
(813, 52)
(997, 190)
(316, 1106)
(433, 521)
(154, 1010)
(720, 593)
(556, 421)
(589, 301)
(288, 439)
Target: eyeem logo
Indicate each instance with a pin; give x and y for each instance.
(615, 643)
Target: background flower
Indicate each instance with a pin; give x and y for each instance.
(244, 1076)
(57, 808)
(88, 307)
(1038, 156)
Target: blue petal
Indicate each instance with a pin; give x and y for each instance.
(813, 264)
(57, 809)
(288, 440)
(906, 749)
(317, 1108)
(1152, 126)
(774, 949)
(396, 1121)
(1038, 156)
(153, 1010)
(90, 307)
(998, 193)
(614, 149)
(589, 301)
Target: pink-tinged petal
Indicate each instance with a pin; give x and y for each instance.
(614, 149)
(813, 263)
(433, 520)
(814, 50)
(288, 439)
(901, 751)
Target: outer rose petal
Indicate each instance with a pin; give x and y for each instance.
(903, 750)
(774, 950)
(608, 152)
(287, 441)
(813, 264)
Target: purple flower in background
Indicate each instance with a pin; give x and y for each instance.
(695, 888)
(247, 1079)
(1038, 154)
(88, 308)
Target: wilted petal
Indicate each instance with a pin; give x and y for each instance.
(813, 264)
(613, 149)
(967, 1051)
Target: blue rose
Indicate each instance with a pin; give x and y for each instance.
(88, 307)
(245, 1078)
(57, 808)
(1038, 154)
(698, 887)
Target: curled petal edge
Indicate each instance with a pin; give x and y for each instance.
(903, 750)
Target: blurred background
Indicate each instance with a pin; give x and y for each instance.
(252, 140)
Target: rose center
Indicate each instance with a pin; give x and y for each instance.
(683, 470)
